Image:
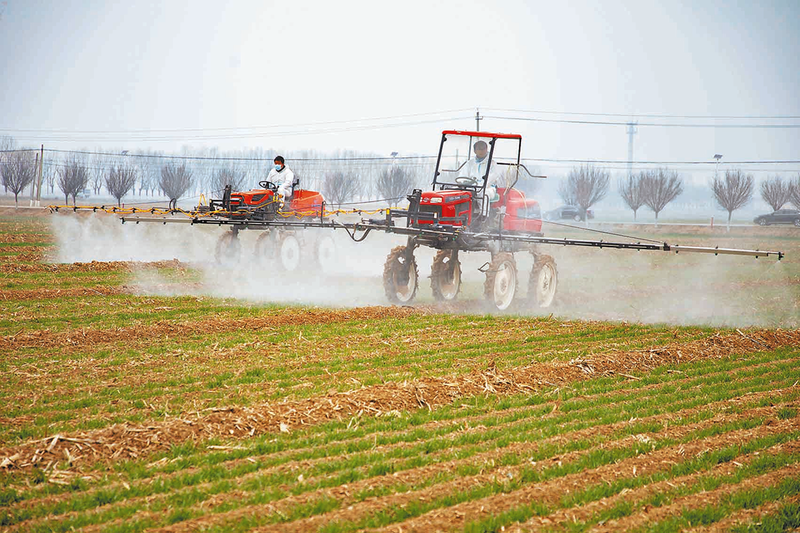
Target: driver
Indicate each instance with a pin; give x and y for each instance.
(282, 176)
(476, 169)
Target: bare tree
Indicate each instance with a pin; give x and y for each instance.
(794, 189)
(733, 191)
(632, 191)
(776, 192)
(98, 175)
(175, 181)
(120, 180)
(19, 169)
(6, 145)
(49, 177)
(339, 187)
(150, 176)
(394, 183)
(584, 187)
(227, 176)
(661, 186)
(73, 178)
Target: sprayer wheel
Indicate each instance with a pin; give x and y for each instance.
(543, 281)
(325, 253)
(500, 286)
(266, 248)
(400, 276)
(228, 249)
(446, 275)
(288, 251)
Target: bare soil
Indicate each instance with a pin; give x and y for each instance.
(94, 266)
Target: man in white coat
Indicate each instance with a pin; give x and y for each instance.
(475, 169)
(283, 177)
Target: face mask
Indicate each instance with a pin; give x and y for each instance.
(278, 168)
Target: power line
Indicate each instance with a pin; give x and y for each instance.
(625, 161)
(236, 128)
(657, 124)
(255, 135)
(648, 115)
(421, 156)
(210, 158)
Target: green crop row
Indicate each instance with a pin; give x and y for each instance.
(375, 470)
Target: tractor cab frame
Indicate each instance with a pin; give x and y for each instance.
(465, 188)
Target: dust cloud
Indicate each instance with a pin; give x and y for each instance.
(594, 284)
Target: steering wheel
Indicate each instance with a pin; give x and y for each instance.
(267, 185)
(464, 180)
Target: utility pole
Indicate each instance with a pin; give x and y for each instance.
(631, 130)
(33, 184)
(478, 119)
(716, 166)
(39, 180)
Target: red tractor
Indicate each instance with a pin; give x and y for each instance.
(281, 245)
(472, 206)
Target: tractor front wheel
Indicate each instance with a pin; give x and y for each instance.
(400, 275)
(543, 281)
(228, 249)
(446, 275)
(500, 286)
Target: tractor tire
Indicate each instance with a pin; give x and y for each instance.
(325, 253)
(266, 249)
(288, 252)
(446, 275)
(228, 250)
(400, 277)
(500, 286)
(543, 281)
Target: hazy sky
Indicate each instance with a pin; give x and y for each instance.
(98, 72)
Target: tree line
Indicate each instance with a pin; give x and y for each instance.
(344, 176)
(586, 185)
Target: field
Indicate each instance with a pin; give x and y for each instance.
(660, 394)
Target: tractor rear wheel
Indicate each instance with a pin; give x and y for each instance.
(288, 252)
(266, 248)
(446, 275)
(400, 275)
(500, 286)
(228, 249)
(325, 253)
(543, 281)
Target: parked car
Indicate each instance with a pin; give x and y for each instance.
(781, 216)
(569, 212)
